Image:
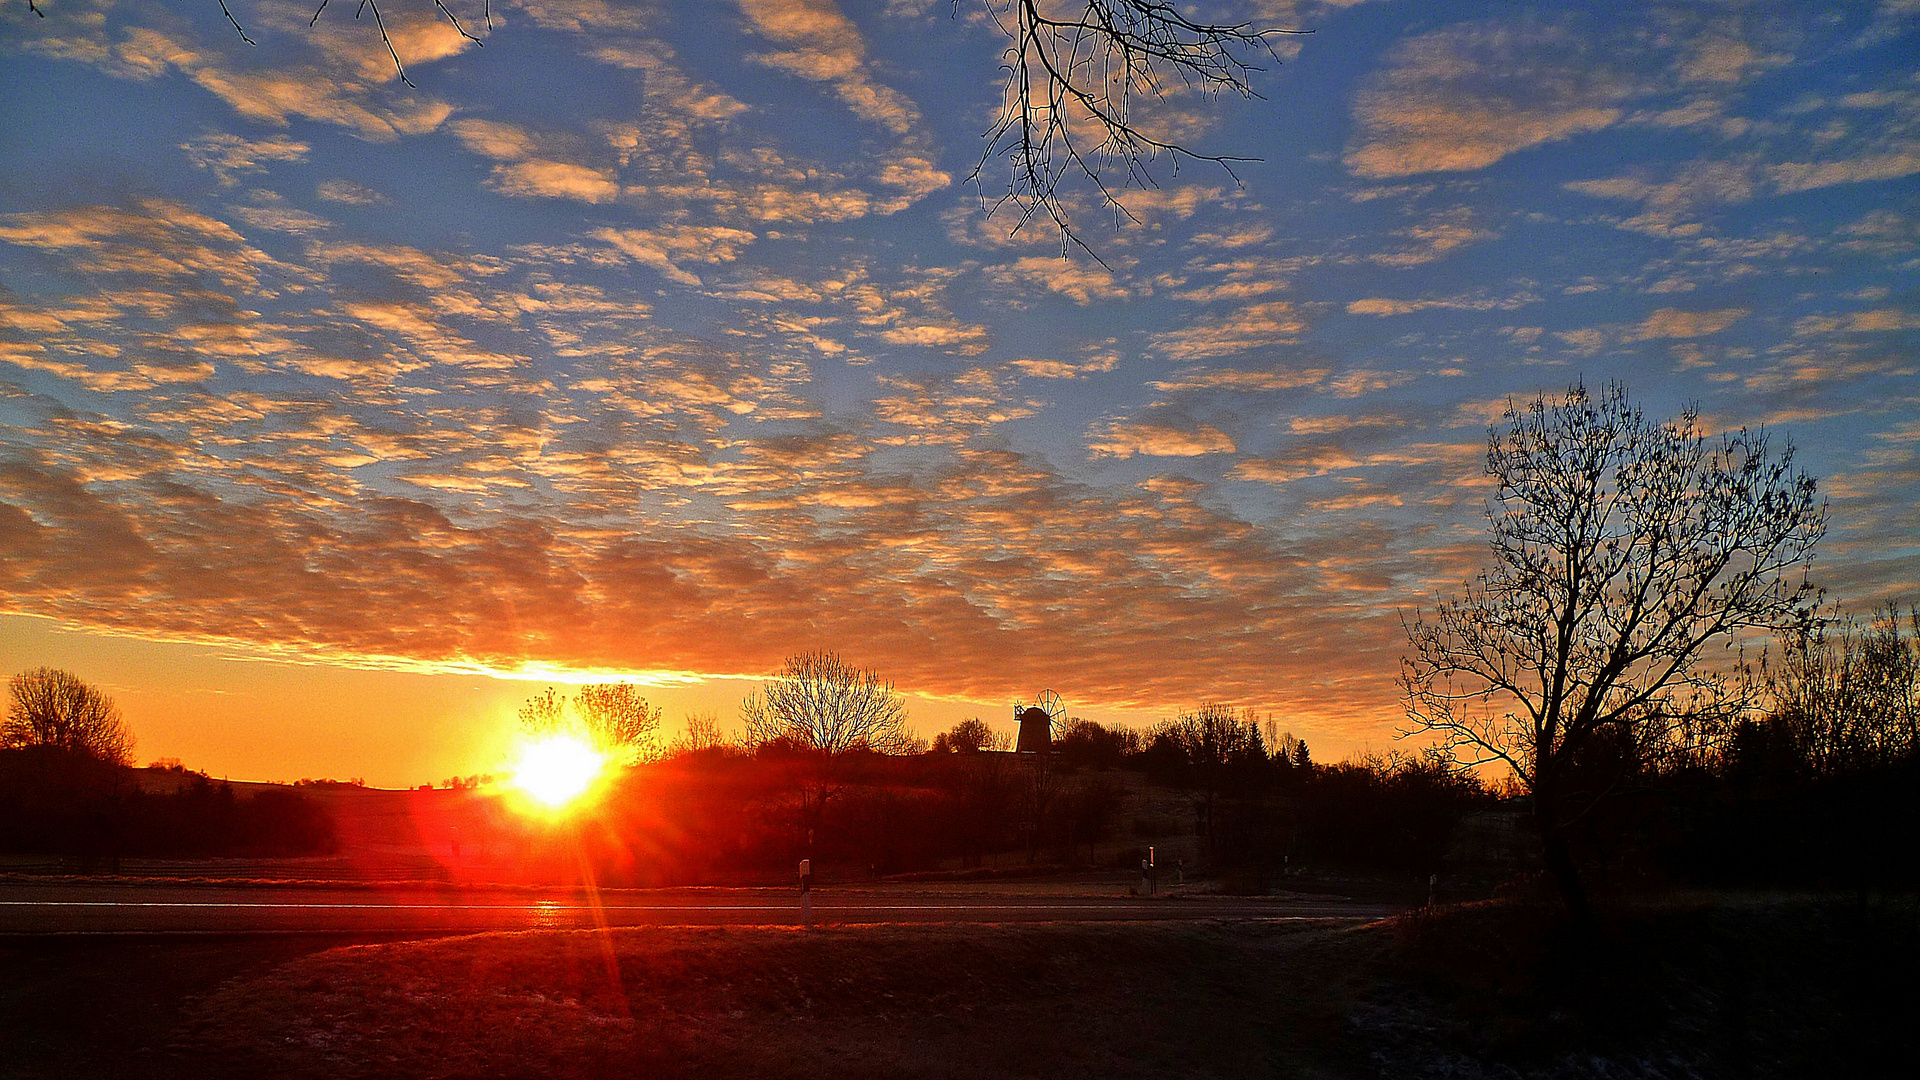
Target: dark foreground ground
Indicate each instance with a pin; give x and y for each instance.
(1733, 988)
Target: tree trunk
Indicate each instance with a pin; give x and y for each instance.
(1559, 860)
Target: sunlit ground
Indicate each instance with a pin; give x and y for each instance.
(557, 771)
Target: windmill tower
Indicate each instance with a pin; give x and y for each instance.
(1038, 722)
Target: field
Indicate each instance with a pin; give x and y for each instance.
(1733, 987)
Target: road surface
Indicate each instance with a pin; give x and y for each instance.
(110, 908)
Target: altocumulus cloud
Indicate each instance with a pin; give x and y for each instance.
(686, 349)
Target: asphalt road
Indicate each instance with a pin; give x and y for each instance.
(31, 908)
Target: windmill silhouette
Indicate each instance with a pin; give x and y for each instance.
(1039, 722)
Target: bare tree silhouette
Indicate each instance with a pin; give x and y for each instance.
(702, 733)
(820, 702)
(57, 708)
(613, 717)
(1624, 549)
(1847, 696)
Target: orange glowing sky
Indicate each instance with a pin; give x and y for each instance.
(664, 340)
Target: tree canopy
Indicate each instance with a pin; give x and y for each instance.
(1628, 555)
(50, 707)
(970, 737)
(613, 717)
(818, 701)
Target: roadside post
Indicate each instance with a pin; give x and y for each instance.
(1433, 891)
(1153, 875)
(806, 892)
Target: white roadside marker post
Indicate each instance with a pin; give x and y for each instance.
(806, 892)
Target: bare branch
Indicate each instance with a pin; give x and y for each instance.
(236, 23)
(1085, 71)
(456, 24)
(377, 21)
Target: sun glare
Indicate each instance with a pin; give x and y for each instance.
(556, 770)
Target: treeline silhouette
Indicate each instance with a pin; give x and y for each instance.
(1205, 783)
(1810, 782)
(1819, 788)
(62, 802)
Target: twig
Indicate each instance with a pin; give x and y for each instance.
(377, 21)
(223, 11)
(1092, 64)
(456, 24)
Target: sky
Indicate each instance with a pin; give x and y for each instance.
(660, 341)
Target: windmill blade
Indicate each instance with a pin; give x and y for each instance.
(1050, 704)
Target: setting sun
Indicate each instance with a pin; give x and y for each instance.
(557, 769)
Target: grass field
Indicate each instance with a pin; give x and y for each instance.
(1772, 988)
(932, 1001)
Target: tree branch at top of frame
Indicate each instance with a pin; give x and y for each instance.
(1084, 71)
(1075, 70)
